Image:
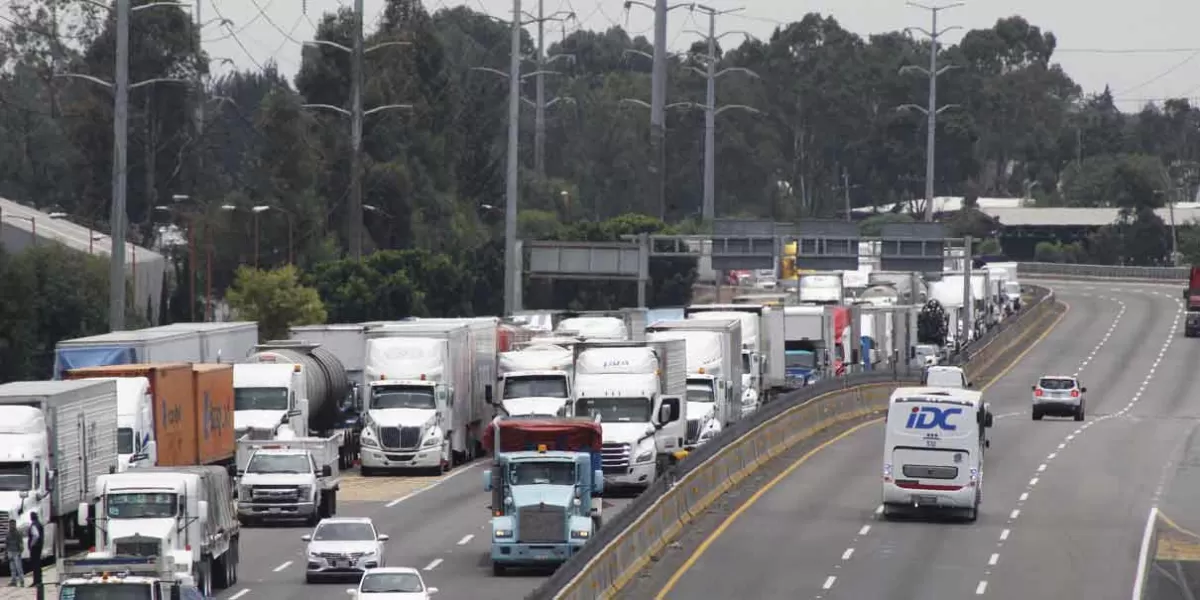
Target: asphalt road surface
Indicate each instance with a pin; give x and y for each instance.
(1065, 504)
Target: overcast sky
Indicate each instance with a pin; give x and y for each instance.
(1143, 50)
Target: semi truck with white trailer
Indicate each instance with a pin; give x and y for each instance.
(220, 342)
(714, 373)
(821, 288)
(185, 513)
(762, 342)
(154, 345)
(56, 438)
(345, 341)
(536, 380)
(636, 389)
(287, 479)
(300, 385)
(602, 325)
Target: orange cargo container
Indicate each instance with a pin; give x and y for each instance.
(174, 413)
(213, 384)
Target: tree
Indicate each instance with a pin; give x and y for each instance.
(275, 299)
(932, 324)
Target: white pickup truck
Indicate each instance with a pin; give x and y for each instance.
(287, 479)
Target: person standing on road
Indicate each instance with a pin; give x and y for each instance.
(35, 548)
(14, 545)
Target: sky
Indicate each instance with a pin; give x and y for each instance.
(1157, 56)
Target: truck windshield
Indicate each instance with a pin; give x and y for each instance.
(535, 387)
(141, 506)
(615, 410)
(16, 477)
(279, 463)
(124, 440)
(543, 473)
(394, 396)
(799, 359)
(260, 399)
(107, 591)
(696, 393)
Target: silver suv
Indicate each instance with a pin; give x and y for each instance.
(1058, 395)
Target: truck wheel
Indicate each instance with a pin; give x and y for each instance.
(498, 569)
(596, 523)
(235, 555)
(204, 581)
(221, 572)
(367, 472)
(332, 503)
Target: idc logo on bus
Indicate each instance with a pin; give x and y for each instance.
(931, 417)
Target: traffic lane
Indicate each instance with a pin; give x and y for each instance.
(1173, 570)
(829, 505)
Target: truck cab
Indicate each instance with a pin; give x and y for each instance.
(126, 577)
(25, 472)
(546, 486)
(287, 479)
(536, 380)
(267, 395)
(136, 443)
(408, 405)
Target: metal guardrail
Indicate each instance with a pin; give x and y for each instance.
(1071, 271)
(626, 544)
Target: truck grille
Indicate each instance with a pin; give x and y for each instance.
(615, 458)
(136, 547)
(693, 431)
(268, 493)
(3, 529)
(541, 524)
(400, 437)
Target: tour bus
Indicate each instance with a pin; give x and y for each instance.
(933, 451)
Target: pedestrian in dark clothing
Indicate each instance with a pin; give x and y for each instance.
(35, 548)
(14, 545)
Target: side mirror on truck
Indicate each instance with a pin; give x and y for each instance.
(597, 482)
(327, 471)
(487, 394)
(82, 516)
(669, 412)
(487, 480)
(202, 509)
(988, 419)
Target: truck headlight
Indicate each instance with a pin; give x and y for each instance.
(305, 491)
(581, 534)
(367, 439)
(645, 456)
(246, 492)
(501, 533)
(709, 434)
(434, 440)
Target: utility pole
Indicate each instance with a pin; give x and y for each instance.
(711, 110)
(512, 279)
(932, 110)
(846, 191)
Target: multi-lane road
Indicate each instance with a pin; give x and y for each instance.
(1065, 504)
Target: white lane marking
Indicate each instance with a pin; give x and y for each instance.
(240, 593)
(282, 567)
(1051, 456)
(829, 582)
(981, 589)
(995, 558)
(1024, 497)
(1041, 467)
(1061, 446)
(433, 564)
(864, 530)
(879, 509)
(1144, 554)
(1004, 534)
(1033, 482)
(848, 553)
(466, 538)
(436, 483)
(1015, 513)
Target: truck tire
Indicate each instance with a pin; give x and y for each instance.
(333, 503)
(367, 472)
(498, 569)
(221, 572)
(235, 554)
(204, 577)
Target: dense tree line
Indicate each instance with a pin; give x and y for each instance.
(827, 127)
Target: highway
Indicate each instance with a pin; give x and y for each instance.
(1065, 504)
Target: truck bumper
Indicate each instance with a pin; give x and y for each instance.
(633, 476)
(533, 554)
(374, 458)
(895, 495)
(262, 510)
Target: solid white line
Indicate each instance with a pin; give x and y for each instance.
(433, 564)
(466, 538)
(981, 588)
(995, 558)
(240, 593)
(829, 582)
(864, 530)
(452, 475)
(1144, 554)
(1004, 534)
(283, 566)
(847, 554)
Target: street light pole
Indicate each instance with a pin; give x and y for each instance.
(512, 279)
(116, 265)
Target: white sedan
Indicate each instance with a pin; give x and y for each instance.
(392, 583)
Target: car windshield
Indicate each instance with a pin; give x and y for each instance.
(543, 473)
(699, 394)
(396, 396)
(535, 386)
(16, 477)
(141, 506)
(615, 410)
(279, 463)
(260, 399)
(1050, 383)
(344, 532)
(392, 583)
(124, 440)
(106, 591)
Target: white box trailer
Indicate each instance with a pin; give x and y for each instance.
(348, 342)
(588, 324)
(725, 366)
(127, 347)
(225, 342)
(767, 337)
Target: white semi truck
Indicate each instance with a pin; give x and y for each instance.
(626, 324)
(186, 513)
(136, 577)
(536, 380)
(763, 364)
(714, 373)
(287, 479)
(636, 389)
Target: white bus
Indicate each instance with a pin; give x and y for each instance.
(933, 450)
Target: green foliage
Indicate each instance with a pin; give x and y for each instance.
(1058, 252)
(276, 299)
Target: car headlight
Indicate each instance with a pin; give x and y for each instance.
(501, 533)
(581, 534)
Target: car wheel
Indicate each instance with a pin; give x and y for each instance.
(1079, 413)
(498, 569)
(1037, 415)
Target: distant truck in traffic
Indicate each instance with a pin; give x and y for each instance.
(1191, 295)
(546, 485)
(714, 377)
(763, 363)
(140, 577)
(287, 479)
(626, 324)
(536, 380)
(179, 342)
(171, 414)
(184, 513)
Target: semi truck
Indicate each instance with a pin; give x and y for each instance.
(536, 380)
(348, 342)
(762, 342)
(1191, 295)
(625, 324)
(300, 385)
(714, 373)
(171, 414)
(140, 577)
(636, 389)
(220, 342)
(155, 345)
(546, 484)
(287, 479)
(423, 410)
(185, 513)
(803, 342)
(57, 438)
(821, 288)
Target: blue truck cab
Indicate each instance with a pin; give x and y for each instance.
(546, 483)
